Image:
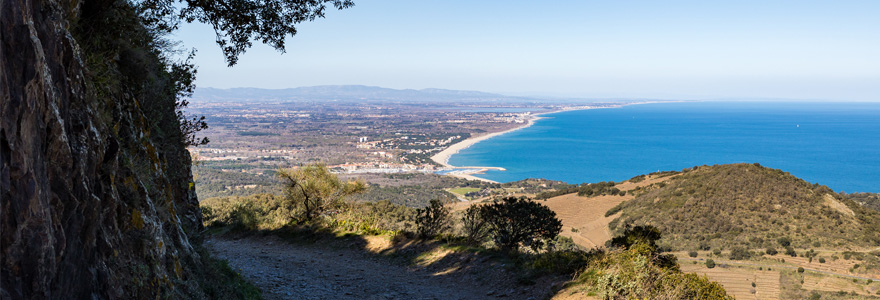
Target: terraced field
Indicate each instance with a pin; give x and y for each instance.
(738, 280)
(819, 282)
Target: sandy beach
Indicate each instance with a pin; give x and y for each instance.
(443, 157)
(467, 172)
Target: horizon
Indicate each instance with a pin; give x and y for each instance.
(551, 97)
(681, 50)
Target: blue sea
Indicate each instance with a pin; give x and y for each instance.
(835, 144)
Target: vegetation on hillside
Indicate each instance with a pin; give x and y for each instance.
(517, 228)
(869, 200)
(635, 269)
(747, 205)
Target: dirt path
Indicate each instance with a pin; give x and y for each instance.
(293, 271)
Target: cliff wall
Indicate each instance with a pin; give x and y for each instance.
(96, 196)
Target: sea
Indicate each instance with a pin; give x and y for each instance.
(830, 143)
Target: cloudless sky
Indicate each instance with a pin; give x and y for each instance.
(649, 49)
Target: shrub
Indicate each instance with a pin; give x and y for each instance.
(692, 254)
(710, 263)
(815, 296)
(646, 236)
(790, 251)
(822, 260)
(312, 189)
(771, 251)
(614, 210)
(784, 241)
(514, 221)
(634, 274)
(432, 220)
(376, 217)
(739, 253)
(717, 252)
(474, 226)
(800, 269)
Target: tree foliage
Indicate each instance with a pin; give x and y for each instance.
(310, 190)
(237, 23)
(519, 221)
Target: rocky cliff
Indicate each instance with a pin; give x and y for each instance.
(96, 196)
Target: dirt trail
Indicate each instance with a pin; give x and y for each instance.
(294, 271)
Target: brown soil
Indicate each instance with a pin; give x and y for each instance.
(583, 219)
(366, 268)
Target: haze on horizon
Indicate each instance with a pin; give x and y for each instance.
(639, 49)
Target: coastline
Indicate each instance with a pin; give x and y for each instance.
(442, 157)
(468, 172)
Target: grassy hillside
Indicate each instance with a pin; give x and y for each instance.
(747, 205)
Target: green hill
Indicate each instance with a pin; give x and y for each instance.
(747, 205)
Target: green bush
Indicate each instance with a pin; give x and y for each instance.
(474, 226)
(636, 274)
(692, 253)
(519, 221)
(432, 220)
(822, 260)
(739, 253)
(311, 190)
(710, 263)
(800, 269)
(771, 251)
(784, 241)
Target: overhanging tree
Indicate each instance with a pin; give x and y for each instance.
(237, 23)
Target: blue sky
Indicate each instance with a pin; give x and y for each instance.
(642, 49)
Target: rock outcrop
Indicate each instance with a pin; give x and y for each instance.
(95, 201)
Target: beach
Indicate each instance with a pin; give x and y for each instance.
(442, 158)
(467, 172)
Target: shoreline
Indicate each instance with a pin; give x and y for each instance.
(468, 173)
(442, 157)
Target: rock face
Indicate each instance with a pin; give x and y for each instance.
(94, 201)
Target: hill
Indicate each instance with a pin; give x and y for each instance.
(718, 207)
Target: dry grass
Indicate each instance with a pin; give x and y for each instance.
(576, 292)
(583, 218)
(840, 266)
(825, 283)
(586, 216)
(738, 281)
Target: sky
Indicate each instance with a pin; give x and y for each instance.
(819, 50)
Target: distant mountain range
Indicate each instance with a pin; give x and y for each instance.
(349, 93)
(362, 93)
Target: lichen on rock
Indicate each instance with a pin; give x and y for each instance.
(72, 120)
